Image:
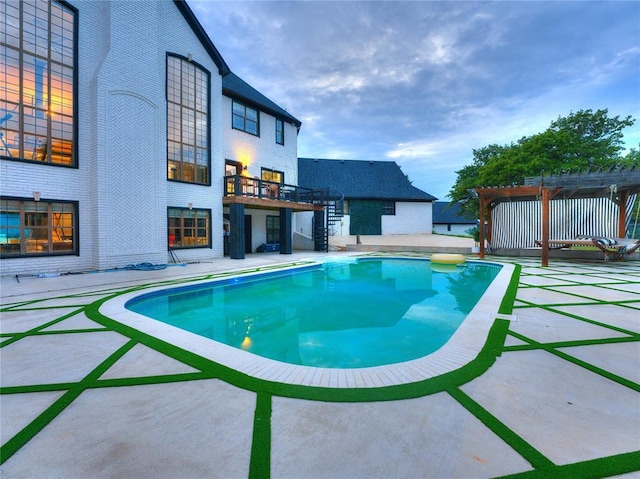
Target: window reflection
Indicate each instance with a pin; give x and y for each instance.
(189, 228)
(37, 228)
(37, 81)
(245, 118)
(187, 122)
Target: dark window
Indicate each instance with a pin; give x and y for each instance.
(189, 228)
(279, 132)
(273, 229)
(38, 82)
(29, 227)
(388, 208)
(245, 118)
(188, 147)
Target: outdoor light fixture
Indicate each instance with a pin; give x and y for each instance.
(190, 205)
(36, 195)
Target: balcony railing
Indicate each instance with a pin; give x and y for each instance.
(238, 185)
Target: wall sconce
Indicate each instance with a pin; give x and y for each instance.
(189, 56)
(36, 195)
(190, 205)
(244, 167)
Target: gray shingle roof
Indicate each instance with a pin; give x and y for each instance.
(445, 212)
(360, 179)
(235, 87)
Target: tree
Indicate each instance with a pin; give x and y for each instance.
(582, 141)
(632, 159)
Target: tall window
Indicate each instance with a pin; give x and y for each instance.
(279, 132)
(30, 227)
(188, 138)
(189, 228)
(38, 50)
(245, 118)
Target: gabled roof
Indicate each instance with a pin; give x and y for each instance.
(445, 212)
(360, 179)
(232, 85)
(235, 87)
(208, 45)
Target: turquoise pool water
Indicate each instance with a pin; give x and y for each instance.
(346, 314)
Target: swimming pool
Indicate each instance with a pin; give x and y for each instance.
(462, 348)
(340, 314)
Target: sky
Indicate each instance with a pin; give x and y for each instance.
(424, 83)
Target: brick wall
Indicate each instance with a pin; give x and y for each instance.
(120, 182)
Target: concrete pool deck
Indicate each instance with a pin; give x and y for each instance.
(556, 392)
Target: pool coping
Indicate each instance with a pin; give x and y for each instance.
(463, 347)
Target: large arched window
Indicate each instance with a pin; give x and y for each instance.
(188, 138)
(38, 82)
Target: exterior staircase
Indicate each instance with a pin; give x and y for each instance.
(333, 201)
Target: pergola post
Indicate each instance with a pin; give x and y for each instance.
(545, 226)
(622, 216)
(481, 226)
(489, 223)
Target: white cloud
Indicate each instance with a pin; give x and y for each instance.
(425, 83)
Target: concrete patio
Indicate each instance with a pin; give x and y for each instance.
(555, 393)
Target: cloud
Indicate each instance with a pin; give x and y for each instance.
(424, 82)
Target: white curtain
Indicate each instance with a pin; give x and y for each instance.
(518, 224)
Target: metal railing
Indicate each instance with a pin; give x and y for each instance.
(238, 185)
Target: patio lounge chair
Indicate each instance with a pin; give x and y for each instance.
(616, 248)
(613, 248)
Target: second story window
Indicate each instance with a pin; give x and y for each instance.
(38, 50)
(245, 118)
(188, 139)
(279, 132)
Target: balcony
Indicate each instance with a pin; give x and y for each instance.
(257, 193)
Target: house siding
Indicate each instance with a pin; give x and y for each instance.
(257, 152)
(410, 219)
(121, 181)
(453, 229)
(262, 151)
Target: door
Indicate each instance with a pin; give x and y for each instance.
(366, 217)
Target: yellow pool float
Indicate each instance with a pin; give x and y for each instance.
(447, 258)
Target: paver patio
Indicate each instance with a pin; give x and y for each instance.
(558, 394)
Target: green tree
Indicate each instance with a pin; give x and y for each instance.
(583, 141)
(632, 158)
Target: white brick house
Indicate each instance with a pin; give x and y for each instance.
(264, 151)
(115, 131)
